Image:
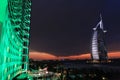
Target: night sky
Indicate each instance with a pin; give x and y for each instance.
(64, 27)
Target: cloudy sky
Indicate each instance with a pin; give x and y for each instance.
(64, 27)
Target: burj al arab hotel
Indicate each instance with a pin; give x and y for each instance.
(98, 47)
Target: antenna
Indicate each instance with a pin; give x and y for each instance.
(101, 23)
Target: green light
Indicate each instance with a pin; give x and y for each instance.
(3, 7)
(13, 22)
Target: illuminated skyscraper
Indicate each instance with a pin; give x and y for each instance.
(14, 37)
(99, 51)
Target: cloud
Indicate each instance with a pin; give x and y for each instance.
(41, 56)
(47, 56)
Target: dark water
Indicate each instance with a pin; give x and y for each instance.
(92, 71)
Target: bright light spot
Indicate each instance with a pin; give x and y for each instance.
(94, 28)
(39, 74)
(46, 72)
(103, 78)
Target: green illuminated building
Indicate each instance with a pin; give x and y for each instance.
(14, 37)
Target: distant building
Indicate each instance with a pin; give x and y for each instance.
(14, 37)
(99, 51)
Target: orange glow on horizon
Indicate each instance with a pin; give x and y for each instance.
(47, 56)
(80, 56)
(112, 55)
(41, 56)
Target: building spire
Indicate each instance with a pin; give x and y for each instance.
(100, 25)
(101, 22)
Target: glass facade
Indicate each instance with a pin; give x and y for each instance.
(14, 37)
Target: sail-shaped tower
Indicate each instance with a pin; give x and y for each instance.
(99, 51)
